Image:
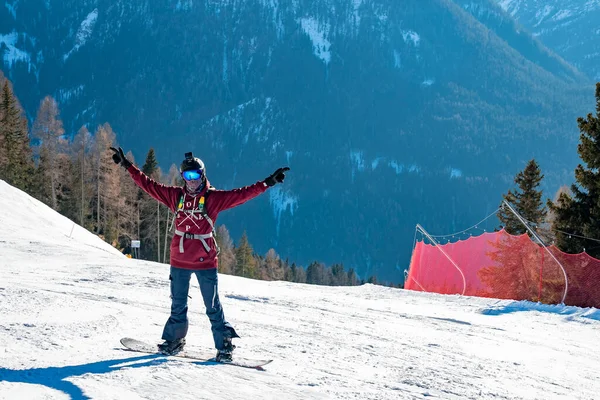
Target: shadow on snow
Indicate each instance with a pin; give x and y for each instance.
(56, 377)
(571, 312)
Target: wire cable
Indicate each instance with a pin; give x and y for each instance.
(579, 236)
(474, 226)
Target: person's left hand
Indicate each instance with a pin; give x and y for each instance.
(119, 158)
(276, 177)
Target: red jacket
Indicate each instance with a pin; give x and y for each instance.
(194, 254)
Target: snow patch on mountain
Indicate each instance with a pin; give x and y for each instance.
(397, 59)
(562, 14)
(375, 162)
(184, 5)
(357, 160)
(567, 27)
(12, 54)
(65, 95)
(225, 63)
(400, 168)
(455, 173)
(355, 15)
(542, 14)
(510, 6)
(281, 201)
(12, 8)
(254, 120)
(273, 6)
(84, 32)
(411, 37)
(318, 34)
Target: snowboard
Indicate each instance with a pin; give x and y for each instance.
(143, 347)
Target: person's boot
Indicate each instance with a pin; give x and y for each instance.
(225, 354)
(171, 347)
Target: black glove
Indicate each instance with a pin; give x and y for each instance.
(277, 176)
(119, 158)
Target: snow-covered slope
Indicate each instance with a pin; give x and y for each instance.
(66, 299)
(569, 27)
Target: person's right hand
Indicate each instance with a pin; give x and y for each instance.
(119, 158)
(276, 177)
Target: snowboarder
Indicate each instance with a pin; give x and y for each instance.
(193, 248)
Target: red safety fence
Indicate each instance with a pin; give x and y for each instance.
(504, 266)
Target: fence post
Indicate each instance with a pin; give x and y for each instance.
(419, 227)
(522, 220)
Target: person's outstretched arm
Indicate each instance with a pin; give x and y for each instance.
(168, 195)
(226, 199)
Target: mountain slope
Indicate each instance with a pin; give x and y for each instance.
(389, 113)
(570, 28)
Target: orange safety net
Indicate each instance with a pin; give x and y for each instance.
(504, 266)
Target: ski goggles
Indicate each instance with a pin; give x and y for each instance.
(192, 175)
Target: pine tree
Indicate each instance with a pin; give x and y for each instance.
(297, 274)
(48, 130)
(287, 271)
(150, 211)
(151, 165)
(316, 274)
(80, 209)
(245, 262)
(526, 199)
(353, 278)
(106, 184)
(340, 278)
(173, 179)
(227, 259)
(3, 130)
(273, 270)
(578, 215)
(128, 208)
(16, 160)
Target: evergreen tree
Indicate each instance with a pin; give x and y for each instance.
(526, 199)
(48, 130)
(3, 129)
(316, 274)
(273, 270)
(327, 277)
(292, 273)
(353, 278)
(150, 211)
(80, 202)
(227, 261)
(579, 214)
(287, 271)
(297, 274)
(340, 278)
(127, 216)
(245, 262)
(16, 160)
(151, 165)
(65, 187)
(300, 276)
(173, 178)
(106, 184)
